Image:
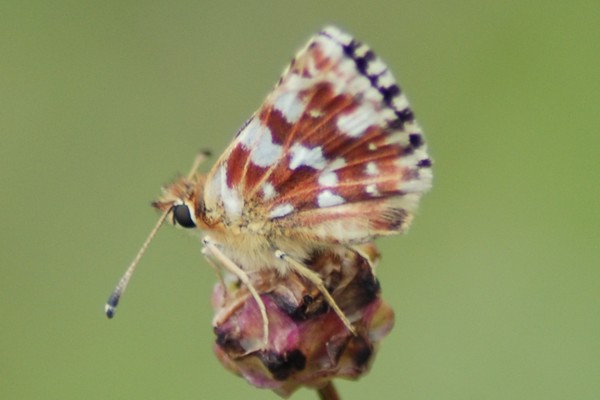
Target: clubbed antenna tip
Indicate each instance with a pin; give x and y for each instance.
(113, 300)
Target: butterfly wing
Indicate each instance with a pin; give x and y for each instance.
(334, 153)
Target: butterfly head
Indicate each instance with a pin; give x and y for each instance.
(183, 200)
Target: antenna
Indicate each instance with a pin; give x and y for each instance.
(200, 157)
(113, 300)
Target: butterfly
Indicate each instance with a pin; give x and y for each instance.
(333, 158)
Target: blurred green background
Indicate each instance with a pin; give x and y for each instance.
(496, 288)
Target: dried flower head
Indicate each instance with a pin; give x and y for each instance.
(308, 343)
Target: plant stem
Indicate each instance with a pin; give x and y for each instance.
(328, 392)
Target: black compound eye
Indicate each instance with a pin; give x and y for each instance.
(182, 216)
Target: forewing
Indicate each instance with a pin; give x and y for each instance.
(334, 152)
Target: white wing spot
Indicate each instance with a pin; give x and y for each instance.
(328, 179)
(371, 169)
(329, 47)
(337, 164)
(316, 113)
(265, 153)
(250, 133)
(232, 201)
(372, 146)
(310, 157)
(290, 105)
(355, 123)
(268, 190)
(372, 189)
(281, 210)
(328, 199)
(257, 137)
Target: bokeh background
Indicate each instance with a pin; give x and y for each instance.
(496, 287)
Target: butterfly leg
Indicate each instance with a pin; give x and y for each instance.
(213, 265)
(243, 276)
(316, 280)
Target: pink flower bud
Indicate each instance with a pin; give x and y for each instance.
(308, 343)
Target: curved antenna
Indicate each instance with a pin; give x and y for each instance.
(113, 300)
(200, 157)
